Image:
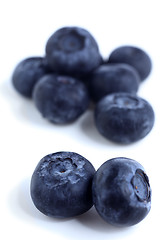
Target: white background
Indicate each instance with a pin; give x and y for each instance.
(26, 137)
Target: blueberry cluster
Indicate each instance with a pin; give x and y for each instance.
(72, 73)
(65, 184)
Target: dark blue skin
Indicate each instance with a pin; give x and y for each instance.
(133, 56)
(111, 78)
(73, 51)
(27, 73)
(60, 99)
(61, 185)
(121, 192)
(124, 117)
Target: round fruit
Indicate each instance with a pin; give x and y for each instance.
(133, 56)
(72, 50)
(60, 99)
(124, 117)
(121, 192)
(113, 78)
(61, 185)
(27, 73)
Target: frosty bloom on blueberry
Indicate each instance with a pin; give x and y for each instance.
(27, 73)
(121, 192)
(72, 50)
(124, 117)
(65, 184)
(60, 99)
(61, 185)
(112, 78)
(72, 73)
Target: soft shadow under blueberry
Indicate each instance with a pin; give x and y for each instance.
(21, 206)
(87, 125)
(92, 220)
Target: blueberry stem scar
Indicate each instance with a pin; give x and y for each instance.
(141, 186)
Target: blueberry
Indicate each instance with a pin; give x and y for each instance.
(124, 117)
(72, 50)
(27, 73)
(133, 56)
(121, 192)
(110, 78)
(60, 99)
(61, 185)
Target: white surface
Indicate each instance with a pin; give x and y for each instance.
(26, 137)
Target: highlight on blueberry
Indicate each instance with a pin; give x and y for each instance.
(124, 117)
(61, 185)
(133, 56)
(60, 99)
(121, 192)
(72, 50)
